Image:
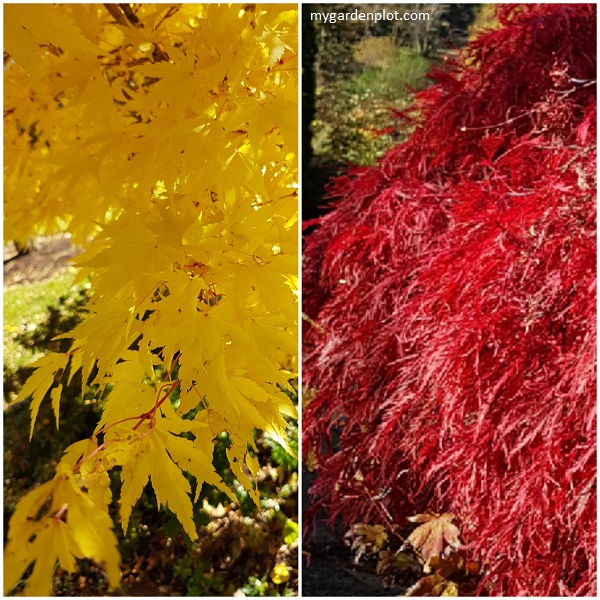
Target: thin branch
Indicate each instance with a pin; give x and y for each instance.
(131, 16)
(167, 15)
(116, 14)
(318, 327)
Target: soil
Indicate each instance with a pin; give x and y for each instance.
(47, 257)
(327, 564)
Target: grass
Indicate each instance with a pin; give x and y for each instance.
(359, 107)
(407, 69)
(25, 308)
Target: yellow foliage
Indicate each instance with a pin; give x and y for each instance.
(57, 521)
(165, 144)
(41, 381)
(485, 18)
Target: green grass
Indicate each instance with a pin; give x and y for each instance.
(359, 106)
(25, 308)
(408, 68)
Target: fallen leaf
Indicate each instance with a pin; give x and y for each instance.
(431, 585)
(280, 574)
(311, 463)
(434, 533)
(367, 539)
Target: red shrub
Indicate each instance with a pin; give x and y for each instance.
(455, 287)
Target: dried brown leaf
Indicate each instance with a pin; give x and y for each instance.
(430, 585)
(434, 533)
(367, 539)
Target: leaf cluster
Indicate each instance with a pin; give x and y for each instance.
(430, 554)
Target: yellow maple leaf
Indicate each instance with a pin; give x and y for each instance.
(159, 454)
(70, 526)
(40, 382)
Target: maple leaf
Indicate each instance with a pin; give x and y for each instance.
(71, 526)
(90, 475)
(40, 382)
(159, 454)
(433, 585)
(368, 539)
(19, 42)
(433, 535)
(50, 26)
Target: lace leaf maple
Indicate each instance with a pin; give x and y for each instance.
(163, 139)
(453, 288)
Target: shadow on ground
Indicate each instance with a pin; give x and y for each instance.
(327, 564)
(48, 259)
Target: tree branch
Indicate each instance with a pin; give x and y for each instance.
(116, 14)
(131, 16)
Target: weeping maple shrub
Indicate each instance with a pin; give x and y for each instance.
(450, 293)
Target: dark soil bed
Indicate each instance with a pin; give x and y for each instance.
(328, 568)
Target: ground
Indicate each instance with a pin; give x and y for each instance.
(49, 259)
(328, 568)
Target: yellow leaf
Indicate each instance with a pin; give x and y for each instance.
(42, 549)
(40, 381)
(50, 26)
(172, 489)
(19, 42)
(192, 458)
(451, 589)
(161, 455)
(21, 528)
(57, 522)
(252, 464)
(88, 20)
(90, 525)
(91, 475)
(55, 396)
(280, 574)
(134, 477)
(375, 535)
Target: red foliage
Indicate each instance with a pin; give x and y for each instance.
(455, 290)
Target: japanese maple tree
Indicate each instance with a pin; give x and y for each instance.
(450, 295)
(163, 138)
